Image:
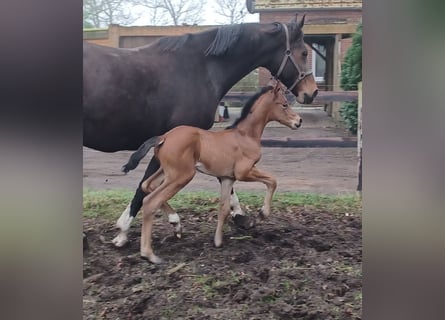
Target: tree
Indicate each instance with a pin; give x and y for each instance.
(174, 12)
(351, 75)
(101, 13)
(232, 10)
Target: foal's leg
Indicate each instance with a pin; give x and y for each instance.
(127, 216)
(234, 203)
(224, 208)
(149, 186)
(238, 216)
(152, 203)
(271, 183)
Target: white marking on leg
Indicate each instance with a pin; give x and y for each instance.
(174, 218)
(175, 221)
(236, 207)
(123, 223)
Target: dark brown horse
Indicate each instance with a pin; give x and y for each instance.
(229, 155)
(130, 95)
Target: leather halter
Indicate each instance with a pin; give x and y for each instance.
(288, 56)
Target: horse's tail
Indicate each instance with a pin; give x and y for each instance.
(137, 156)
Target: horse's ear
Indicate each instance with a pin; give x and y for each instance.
(301, 24)
(296, 26)
(277, 88)
(294, 19)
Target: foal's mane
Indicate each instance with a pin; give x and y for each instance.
(248, 106)
(225, 39)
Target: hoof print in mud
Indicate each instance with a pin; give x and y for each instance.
(243, 257)
(319, 245)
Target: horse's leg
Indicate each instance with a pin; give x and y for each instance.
(149, 186)
(235, 205)
(271, 183)
(224, 208)
(237, 214)
(126, 218)
(151, 204)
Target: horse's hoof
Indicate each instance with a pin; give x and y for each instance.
(177, 229)
(261, 215)
(218, 243)
(153, 259)
(85, 242)
(120, 240)
(243, 222)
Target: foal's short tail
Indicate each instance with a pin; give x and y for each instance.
(137, 156)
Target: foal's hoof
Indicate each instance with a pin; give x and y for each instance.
(153, 259)
(261, 215)
(120, 240)
(177, 230)
(243, 222)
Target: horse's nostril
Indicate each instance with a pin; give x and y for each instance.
(307, 99)
(301, 120)
(315, 93)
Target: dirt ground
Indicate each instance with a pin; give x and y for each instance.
(331, 170)
(301, 263)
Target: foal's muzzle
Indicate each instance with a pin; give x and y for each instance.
(298, 123)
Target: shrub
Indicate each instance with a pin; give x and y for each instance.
(351, 75)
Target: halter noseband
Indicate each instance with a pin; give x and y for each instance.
(288, 56)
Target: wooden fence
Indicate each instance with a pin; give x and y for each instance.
(323, 97)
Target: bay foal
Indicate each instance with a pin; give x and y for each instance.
(229, 155)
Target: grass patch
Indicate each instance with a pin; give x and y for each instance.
(111, 203)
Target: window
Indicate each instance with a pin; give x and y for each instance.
(318, 63)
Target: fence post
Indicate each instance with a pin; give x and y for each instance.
(359, 136)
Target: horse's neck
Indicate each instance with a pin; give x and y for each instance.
(246, 58)
(254, 124)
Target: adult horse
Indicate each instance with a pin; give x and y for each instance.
(130, 95)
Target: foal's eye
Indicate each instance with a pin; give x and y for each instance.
(304, 53)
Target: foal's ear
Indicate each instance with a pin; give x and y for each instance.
(277, 88)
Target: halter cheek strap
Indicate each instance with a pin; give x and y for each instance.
(288, 56)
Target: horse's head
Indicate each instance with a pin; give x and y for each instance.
(290, 63)
(280, 111)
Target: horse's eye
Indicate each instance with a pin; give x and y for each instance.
(304, 53)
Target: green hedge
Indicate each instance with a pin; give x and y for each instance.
(351, 75)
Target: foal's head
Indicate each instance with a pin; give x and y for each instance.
(279, 109)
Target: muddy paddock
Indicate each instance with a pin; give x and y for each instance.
(299, 264)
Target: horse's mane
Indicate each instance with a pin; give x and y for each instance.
(248, 106)
(225, 39)
(173, 43)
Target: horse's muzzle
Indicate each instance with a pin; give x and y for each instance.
(298, 124)
(308, 99)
